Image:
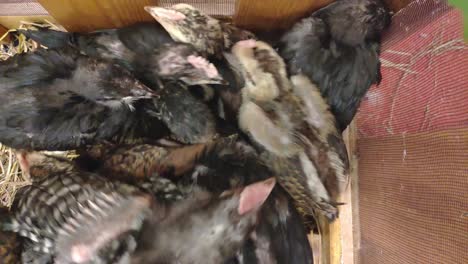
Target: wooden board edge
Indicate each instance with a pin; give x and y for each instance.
(11, 22)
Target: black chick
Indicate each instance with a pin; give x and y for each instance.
(338, 48)
(186, 24)
(60, 99)
(148, 52)
(144, 49)
(291, 124)
(280, 236)
(223, 223)
(65, 210)
(188, 119)
(141, 37)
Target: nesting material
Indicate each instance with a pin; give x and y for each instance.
(11, 178)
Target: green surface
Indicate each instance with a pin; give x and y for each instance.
(463, 5)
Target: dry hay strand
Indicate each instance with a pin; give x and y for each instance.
(11, 178)
(18, 42)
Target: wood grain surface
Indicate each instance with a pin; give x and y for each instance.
(15, 21)
(273, 14)
(88, 15)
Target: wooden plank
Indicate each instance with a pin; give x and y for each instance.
(88, 15)
(349, 213)
(15, 21)
(3, 31)
(273, 14)
(279, 14)
(341, 238)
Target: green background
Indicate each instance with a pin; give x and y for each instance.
(463, 5)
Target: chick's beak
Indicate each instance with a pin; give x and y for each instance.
(223, 82)
(160, 13)
(218, 80)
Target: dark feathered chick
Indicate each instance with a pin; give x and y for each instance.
(189, 25)
(338, 48)
(280, 236)
(290, 121)
(144, 49)
(188, 119)
(141, 37)
(224, 223)
(154, 61)
(64, 208)
(60, 99)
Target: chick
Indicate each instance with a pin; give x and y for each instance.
(155, 61)
(216, 166)
(212, 38)
(279, 238)
(68, 100)
(176, 61)
(65, 210)
(224, 224)
(187, 24)
(142, 37)
(59, 99)
(144, 49)
(188, 119)
(290, 122)
(338, 48)
(64, 206)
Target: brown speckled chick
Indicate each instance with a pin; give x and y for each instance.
(218, 165)
(292, 123)
(184, 23)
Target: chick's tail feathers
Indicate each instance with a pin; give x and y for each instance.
(41, 65)
(49, 38)
(281, 221)
(302, 183)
